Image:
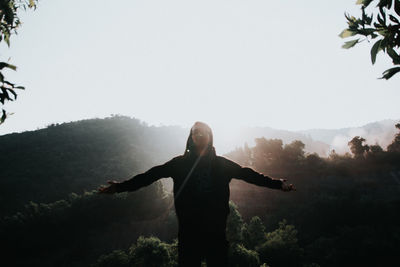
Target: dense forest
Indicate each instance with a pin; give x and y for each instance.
(48, 164)
(344, 212)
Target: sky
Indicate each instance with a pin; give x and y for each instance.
(226, 62)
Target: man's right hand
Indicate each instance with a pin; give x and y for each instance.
(287, 187)
(111, 189)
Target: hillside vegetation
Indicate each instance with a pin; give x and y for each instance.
(344, 212)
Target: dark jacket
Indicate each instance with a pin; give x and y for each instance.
(201, 187)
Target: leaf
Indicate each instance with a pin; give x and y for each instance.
(394, 56)
(387, 74)
(10, 84)
(350, 44)
(3, 117)
(6, 65)
(394, 19)
(346, 33)
(13, 93)
(375, 49)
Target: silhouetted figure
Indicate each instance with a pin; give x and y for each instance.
(201, 193)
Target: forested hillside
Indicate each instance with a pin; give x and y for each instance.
(48, 164)
(344, 212)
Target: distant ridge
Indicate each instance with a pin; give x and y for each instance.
(380, 132)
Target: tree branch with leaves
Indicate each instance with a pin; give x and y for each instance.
(381, 25)
(9, 23)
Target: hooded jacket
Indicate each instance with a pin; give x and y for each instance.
(201, 186)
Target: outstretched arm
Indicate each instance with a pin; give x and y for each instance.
(140, 180)
(253, 177)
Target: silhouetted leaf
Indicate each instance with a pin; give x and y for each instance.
(387, 74)
(13, 93)
(394, 19)
(350, 44)
(3, 117)
(394, 56)
(6, 65)
(374, 50)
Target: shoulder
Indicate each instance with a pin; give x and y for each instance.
(176, 160)
(227, 162)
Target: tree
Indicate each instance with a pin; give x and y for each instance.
(267, 153)
(234, 225)
(294, 151)
(357, 147)
(10, 22)
(395, 145)
(382, 24)
(254, 233)
(117, 258)
(243, 257)
(281, 247)
(150, 251)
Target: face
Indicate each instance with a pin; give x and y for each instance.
(200, 136)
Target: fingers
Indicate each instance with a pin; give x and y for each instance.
(287, 187)
(106, 189)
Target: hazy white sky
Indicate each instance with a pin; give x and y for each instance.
(242, 62)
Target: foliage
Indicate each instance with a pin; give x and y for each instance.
(79, 156)
(117, 258)
(345, 212)
(240, 256)
(382, 25)
(254, 233)
(150, 252)
(83, 227)
(10, 22)
(395, 145)
(281, 247)
(357, 147)
(234, 225)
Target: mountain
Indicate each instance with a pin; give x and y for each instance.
(380, 132)
(248, 134)
(48, 164)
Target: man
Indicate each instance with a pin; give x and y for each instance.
(201, 194)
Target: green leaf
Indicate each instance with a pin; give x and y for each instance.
(346, 33)
(387, 74)
(375, 49)
(350, 44)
